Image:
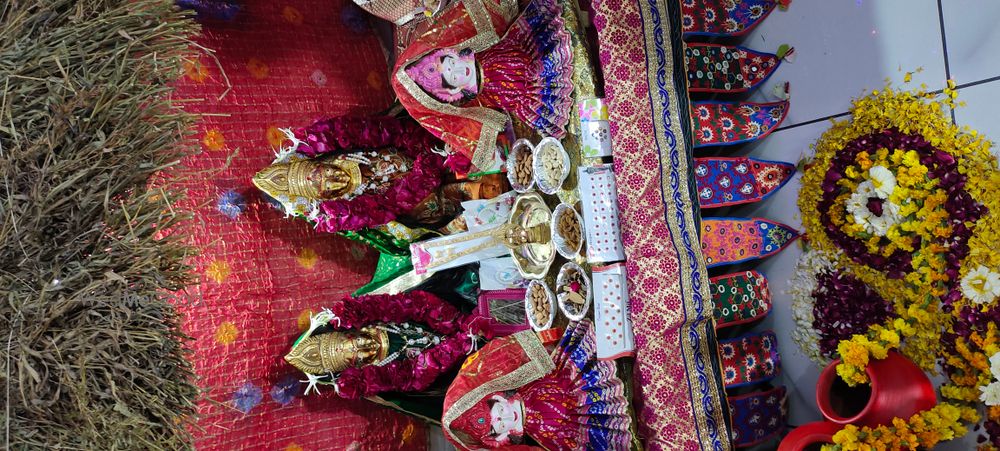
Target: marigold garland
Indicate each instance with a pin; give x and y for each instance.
(901, 196)
(921, 431)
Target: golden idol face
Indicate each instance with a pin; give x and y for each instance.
(367, 349)
(329, 181)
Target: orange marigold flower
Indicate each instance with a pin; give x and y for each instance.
(291, 15)
(214, 140)
(258, 69)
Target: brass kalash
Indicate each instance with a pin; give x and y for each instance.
(526, 234)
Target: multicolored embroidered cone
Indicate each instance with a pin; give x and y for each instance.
(729, 123)
(724, 18)
(727, 68)
(750, 359)
(732, 181)
(727, 241)
(758, 416)
(740, 298)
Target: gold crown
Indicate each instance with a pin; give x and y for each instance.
(337, 351)
(287, 179)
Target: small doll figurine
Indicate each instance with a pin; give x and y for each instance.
(373, 344)
(514, 388)
(351, 173)
(463, 77)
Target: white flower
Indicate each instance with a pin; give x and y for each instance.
(811, 264)
(883, 181)
(981, 285)
(990, 394)
(857, 206)
(890, 217)
(995, 365)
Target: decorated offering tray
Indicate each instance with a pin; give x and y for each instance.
(529, 239)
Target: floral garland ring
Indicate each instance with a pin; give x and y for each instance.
(901, 198)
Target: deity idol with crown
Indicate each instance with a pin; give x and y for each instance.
(373, 344)
(482, 60)
(351, 173)
(514, 389)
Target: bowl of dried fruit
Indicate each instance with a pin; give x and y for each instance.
(540, 305)
(573, 291)
(567, 231)
(551, 165)
(519, 166)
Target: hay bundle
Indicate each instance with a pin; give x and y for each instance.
(90, 353)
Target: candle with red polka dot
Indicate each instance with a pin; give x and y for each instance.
(600, 214)
(614, 329)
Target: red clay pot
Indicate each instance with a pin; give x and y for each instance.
(810, 436)
(898, 388)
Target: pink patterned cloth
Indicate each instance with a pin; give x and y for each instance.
(280, 63)
(551, 407)
(679, 392)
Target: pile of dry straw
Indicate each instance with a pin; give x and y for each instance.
(90, 353)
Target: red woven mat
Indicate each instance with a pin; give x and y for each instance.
(288, 62)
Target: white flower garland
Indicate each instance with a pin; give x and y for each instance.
(811, 264)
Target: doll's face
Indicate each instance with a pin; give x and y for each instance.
(506, 418)
(459, 71)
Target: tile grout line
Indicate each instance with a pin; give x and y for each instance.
(977, 83)
(813, 121)
(944, 48)
(935, 92)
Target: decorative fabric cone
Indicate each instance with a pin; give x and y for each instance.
(740, 298)
(735, 240)
(898, 389)
(750, 359)
(809, 436)
(732, 181)
(758, 416)
(729, 123)
(724, 18)
(728, 69)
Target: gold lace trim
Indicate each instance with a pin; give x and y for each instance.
(492, 121)
(539, 365)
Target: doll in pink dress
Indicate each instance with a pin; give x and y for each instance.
(513, 389)
(459, 85)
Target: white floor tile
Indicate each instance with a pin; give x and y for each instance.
(973, 38)
(980, 113)
(844, 48)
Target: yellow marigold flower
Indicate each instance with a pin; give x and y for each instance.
(890, 337)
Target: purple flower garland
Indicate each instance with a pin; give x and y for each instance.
(943, 167)
(345, 134)
(412, 374)
(845, 306)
